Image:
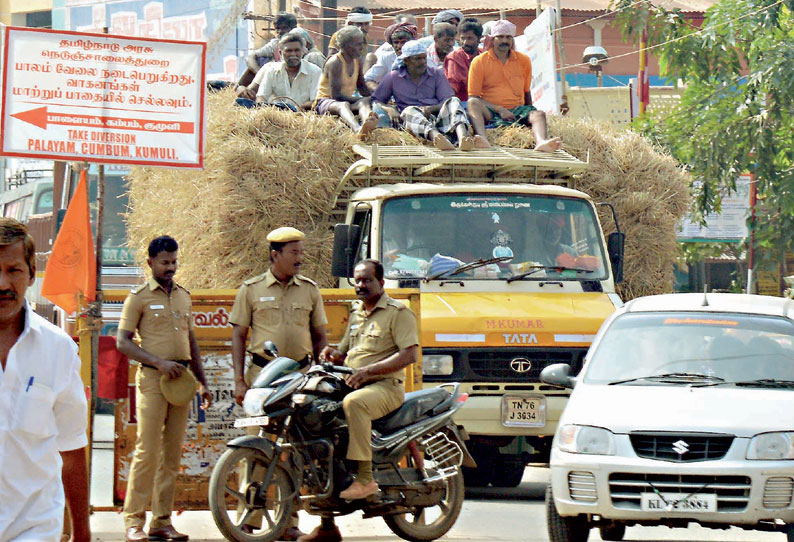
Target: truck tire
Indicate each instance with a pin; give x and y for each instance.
(564, 529)
(508, 474)
(613, 532)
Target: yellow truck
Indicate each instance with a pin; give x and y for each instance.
(514, 274)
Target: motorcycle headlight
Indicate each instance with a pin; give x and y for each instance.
(586, 439)
(779, 445)
(254, 400)
(437, 364)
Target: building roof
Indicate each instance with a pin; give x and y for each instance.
(697, 6)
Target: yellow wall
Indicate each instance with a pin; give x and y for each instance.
(12, 12)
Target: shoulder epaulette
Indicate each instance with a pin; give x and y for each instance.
(139, 289)
(395, 303)
(254, 280)
(307, 279)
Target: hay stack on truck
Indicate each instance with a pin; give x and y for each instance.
(514, 275)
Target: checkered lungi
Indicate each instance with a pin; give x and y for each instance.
(451, 115)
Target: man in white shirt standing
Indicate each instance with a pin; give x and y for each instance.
(293, 77)
(43, 414)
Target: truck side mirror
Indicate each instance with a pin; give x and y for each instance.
(615, 243)
(346, 242)
(558, 374)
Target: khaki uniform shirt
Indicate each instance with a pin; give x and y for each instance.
(278, 313)
(390, 327)
(163, 321)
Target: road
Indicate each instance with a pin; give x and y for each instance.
(490, 514)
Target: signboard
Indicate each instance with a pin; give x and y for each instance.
(100, 98)
(537, 41)
(730, 225)
(768, 282)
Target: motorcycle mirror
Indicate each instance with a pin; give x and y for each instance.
(270, 349)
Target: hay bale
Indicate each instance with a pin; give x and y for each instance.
(266, 168)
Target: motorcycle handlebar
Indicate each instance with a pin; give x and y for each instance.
(330, 367)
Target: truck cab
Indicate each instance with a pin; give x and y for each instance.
(514, 275)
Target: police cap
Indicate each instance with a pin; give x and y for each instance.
(285, 235)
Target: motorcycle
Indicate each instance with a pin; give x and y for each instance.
(298, 457)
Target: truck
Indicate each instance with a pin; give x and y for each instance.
(514, 274)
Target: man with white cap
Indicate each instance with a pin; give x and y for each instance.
(499, 89)
(282, 306)
(361, 18)
(427, 104)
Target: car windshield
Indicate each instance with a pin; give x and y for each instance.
(542, 236)
(693, 348)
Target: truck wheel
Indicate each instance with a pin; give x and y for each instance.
(562, 529)
(615, 531)
(509, 474)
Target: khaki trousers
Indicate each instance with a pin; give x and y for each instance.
(258, 473)
(369, 403)
(158, 453)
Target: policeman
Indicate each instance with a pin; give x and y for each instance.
(380, 341)
(281, 306)
(160, 311)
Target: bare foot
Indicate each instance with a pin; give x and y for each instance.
(481, 143)
(442, 143)
(466, 143)
(369, 125)
(549, 145)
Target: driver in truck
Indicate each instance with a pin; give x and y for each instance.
(380, 341)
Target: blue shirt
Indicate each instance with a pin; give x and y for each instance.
(432, 89)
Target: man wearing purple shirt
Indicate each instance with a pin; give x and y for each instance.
(427, 104)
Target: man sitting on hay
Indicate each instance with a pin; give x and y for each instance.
(428, 106)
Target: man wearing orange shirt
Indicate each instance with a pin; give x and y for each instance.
(499, 82)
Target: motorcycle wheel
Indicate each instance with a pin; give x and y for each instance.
(230, 508)
(429, 523)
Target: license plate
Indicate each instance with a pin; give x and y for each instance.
(678, 502)
(523, 411)
(249, 422)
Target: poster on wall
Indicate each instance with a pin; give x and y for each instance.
(537, 41)
(727, 226)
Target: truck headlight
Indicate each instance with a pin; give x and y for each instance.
(586, 439)
(779, 445)
(437, 364)
(254, 400)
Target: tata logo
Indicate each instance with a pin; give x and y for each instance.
(520, 338)
(680, 447)
(520, 365)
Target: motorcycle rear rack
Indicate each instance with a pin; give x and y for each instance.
(446, 455)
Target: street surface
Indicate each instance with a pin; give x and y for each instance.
(498, 515)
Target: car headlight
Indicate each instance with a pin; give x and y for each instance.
(779, 445)
(254, 400)
(437, 364)
(586, 439)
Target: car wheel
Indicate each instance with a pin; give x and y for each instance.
(564, 529)
(615, 531)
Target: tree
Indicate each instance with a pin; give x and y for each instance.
(736, 113)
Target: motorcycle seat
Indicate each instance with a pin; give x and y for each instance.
(416, 405)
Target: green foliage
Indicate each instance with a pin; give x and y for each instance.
(737, 112)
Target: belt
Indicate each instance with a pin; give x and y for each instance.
(182, 362)
(261, 361)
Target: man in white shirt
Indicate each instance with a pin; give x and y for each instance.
(293, 77)
(43, 415)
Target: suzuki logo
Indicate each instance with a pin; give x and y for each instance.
(680, 447)
(520, 365)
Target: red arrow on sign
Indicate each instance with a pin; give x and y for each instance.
(42, 118)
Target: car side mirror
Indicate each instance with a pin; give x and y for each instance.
(615, 245)
(270, 350)
(558, 374)
(346, 242)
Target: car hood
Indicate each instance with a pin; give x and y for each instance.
(743, 412)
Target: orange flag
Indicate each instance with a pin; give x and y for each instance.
(72, 264)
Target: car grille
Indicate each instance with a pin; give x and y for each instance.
(582, 486)
(666, 446)
(778, 492)
(495, 364)
(733, 492)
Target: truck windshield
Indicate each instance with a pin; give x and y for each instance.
(545, 235)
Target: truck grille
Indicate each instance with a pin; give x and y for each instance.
(733, 492)
(695, 446)
(494, 364)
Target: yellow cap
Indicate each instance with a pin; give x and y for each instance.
(285, 235)
(181, 390)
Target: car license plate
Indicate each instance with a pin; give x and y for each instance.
(250, 422)
(523, 411)
(678, 502)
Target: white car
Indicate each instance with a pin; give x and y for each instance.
(683, 412)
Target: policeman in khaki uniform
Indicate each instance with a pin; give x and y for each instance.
(380, 341)
(280, 306)
(160, 311)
